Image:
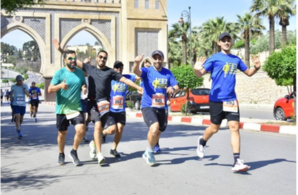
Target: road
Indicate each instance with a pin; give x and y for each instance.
(29, 166)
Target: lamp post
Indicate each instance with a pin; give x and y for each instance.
(181, 21)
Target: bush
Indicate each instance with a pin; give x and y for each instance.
(40, 85)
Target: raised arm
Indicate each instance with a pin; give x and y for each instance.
(130, 83)
(257, 66)
(136, 66)
(54, 88)
(199, 68)
(58, 47)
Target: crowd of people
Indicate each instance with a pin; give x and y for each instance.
(96, 93)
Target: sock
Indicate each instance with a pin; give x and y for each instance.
(203, 142)
(236, 156)
(150, 148)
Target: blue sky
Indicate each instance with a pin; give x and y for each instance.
(201, 11)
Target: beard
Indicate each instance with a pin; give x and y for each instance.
(72, 66)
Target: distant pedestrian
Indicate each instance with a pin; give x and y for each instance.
(18, 93)
(68, 83)
(158, 81)
(34, 100)
(222, 98)
(7, 95)
(2, 93)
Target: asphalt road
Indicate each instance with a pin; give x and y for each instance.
(28, 166)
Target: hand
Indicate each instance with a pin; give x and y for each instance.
(87, 60)
(170, 90)
(199, 63)
(84, 89)
(64, 85)
(256, 61)
(139, 59)
(140, 90)
(57, 45)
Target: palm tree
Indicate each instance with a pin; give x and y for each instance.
(180, 30)
(287, 9)
(270, 9)
(250, 26)
(211, 30)
(174, 52)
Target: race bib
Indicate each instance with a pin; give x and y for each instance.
(230, 106)
(20, 99)
(158, 100)
(117, 102)
(72, 115)
(103, 107)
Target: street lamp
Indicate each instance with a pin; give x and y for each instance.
(187, 14)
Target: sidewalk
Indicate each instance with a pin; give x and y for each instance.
(245, 123)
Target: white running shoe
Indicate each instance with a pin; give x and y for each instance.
(200, 148)
(101, 159)
(240, 166)
(92, 152)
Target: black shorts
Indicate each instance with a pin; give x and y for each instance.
(34, 103)
(84, 105)
(153, 115)
(95, 116)
(217, 114)
(116, 117)
(62, 123)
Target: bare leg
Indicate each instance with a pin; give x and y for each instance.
(61, 140)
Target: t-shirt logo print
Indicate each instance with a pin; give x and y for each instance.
(229, 68)
(159, 83)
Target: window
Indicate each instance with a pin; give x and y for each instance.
(156, 4)
(136, 3)
(146, 4)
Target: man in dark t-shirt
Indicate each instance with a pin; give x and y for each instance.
(100, 77)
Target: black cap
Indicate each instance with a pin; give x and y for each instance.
(158, 52)
(222, 35)
(118, 64)
(19, 78)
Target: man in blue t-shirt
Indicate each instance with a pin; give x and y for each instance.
(157, 82)
(18, 102)
(222, 98)
(117, 116)
(34, 99)
(68, 82)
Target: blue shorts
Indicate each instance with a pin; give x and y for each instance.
(84, 105)
(19, 109)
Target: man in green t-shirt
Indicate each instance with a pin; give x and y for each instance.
(68, 82)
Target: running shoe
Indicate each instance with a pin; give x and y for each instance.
(156, 149)
(20, 135)
(101, 159)
(86, 140)
(115, 153)
(61, 159)
(35, 120)
(149, 157)
(240, 166)
(92, 152)
(74, 157)
(200, 148)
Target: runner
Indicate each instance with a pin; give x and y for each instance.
(99, 95)
(117, 116)
(34, 99)
(84, 102)
(222, 98)
(158, 81)
(68, 83)
(17, 95)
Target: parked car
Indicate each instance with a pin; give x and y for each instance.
(198, 100)
(284, 107)
(134, 98)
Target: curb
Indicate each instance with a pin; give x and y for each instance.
(243, 125)
(282, 129)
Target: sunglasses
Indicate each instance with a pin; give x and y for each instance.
(70, 58)
(102, 57)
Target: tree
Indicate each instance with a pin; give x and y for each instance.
(174, 52)
(180, 30)
(211, 30)
(270, 9)
(250, 26)
(281, 66)
(31, 50)
(13, 5)
(287, 9)
(186, 78)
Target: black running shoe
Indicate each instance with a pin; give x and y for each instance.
(61, 159)
(74, 157)
(115, 153)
